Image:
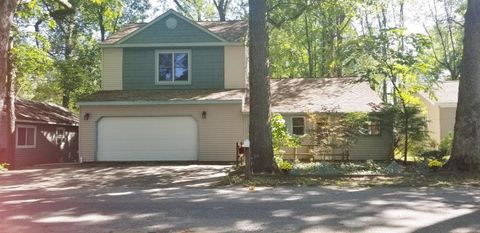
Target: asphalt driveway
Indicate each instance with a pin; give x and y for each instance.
(161, 198)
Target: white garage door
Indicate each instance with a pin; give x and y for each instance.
(147, 139)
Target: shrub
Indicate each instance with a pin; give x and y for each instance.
(280, 135)
(318, 168)
(4, 166)
(285, 165)
(435, 164)
(446, 145)
(393, 168)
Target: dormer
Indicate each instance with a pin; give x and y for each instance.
(173, 52)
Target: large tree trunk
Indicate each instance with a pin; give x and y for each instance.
(7, 9)
(260, 129)
(466, 143)
(10, 108)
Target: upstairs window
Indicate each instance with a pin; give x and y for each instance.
(172, 67)
(26, 136)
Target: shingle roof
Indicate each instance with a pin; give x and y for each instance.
(164, 95)
(41, 112)
(232, 31)
(445, 93)
(122, 32)
(296, 95)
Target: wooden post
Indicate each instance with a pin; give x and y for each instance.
(236, 154)
(248, 164)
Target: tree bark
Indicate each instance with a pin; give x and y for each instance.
(222, 7)
(7, 10)
(466, 143)
(259, 84)
(10, 108)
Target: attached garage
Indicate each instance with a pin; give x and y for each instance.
(147, 139)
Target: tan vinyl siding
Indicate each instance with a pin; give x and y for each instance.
(112, 60)
(235, 67)
(367, 147)
(217, 133)
(372, 147)
(447, 121)
(433, 119)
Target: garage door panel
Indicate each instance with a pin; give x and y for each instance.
(147, 139)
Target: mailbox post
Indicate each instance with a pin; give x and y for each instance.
(246, 145)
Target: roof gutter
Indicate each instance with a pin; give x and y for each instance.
(44, 122)
(156, 102)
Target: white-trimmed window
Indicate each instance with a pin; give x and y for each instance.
(297, 125)
(373, 128)
(172, 67)
(59, 135)
(26, 136)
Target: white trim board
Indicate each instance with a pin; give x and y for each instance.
(157, 102)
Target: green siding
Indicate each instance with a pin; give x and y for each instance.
(158, 32)
(207, 68)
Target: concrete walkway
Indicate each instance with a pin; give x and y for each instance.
(163, 198)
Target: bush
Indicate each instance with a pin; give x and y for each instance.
(280, 135)
(435, 164)
(4, 166)
(285, 165)
(446, 145)
(393, 168)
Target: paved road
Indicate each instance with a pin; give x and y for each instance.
(175, 199)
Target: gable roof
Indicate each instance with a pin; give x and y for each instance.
(227, 31)
(446, 93)
(43, 113)
(300, 95)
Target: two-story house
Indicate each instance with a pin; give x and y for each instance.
(175, 89)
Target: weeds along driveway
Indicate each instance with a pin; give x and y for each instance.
(138, 199)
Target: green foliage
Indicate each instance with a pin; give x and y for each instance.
(280, 136)
(312, 38)
(334, 130)
(60, 60)
(4, 166)
(435, 164)
(446, 144)
(393, 168)
(340, 168)
(409, 128)
(284, 165)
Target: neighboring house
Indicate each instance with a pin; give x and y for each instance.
(175, 89)
(45, 133)
(441, 109)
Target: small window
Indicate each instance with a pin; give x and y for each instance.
(172, 67)
(373, 128)
(298, 125)
(60, 135)
(26, 136)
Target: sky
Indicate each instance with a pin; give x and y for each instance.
(415, 10)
